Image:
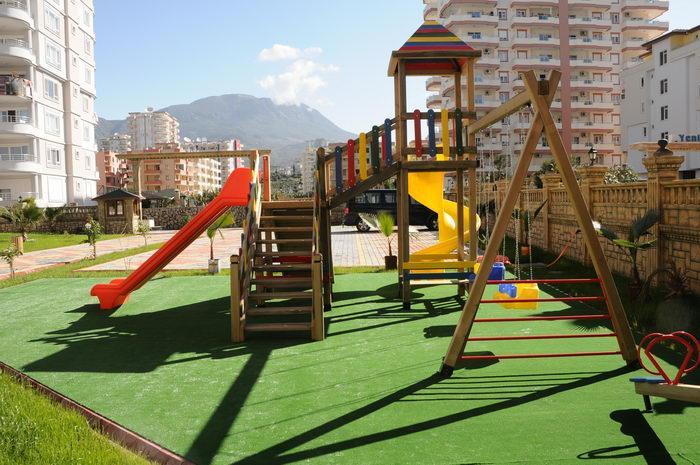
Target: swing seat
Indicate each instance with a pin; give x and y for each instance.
(498, 271)
(514, 292)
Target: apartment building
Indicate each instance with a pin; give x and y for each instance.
(226, 166)
(149, 128)
(590, 41)
(113, 172)
(661, 97)
(47, 94)
(119, 143)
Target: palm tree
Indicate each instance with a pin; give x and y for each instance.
(23, 215)
(223, 221)
(637, 233)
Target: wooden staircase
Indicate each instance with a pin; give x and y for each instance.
(280, 297)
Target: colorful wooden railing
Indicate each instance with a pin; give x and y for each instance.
(377, 146)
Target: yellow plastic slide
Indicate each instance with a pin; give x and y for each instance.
(427, 188)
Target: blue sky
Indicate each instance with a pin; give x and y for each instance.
(330, 54)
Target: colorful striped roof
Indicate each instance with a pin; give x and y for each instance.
(433, 36)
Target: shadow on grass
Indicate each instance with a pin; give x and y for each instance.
(281, 453)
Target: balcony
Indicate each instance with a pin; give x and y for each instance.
(430, 12)
(586, 146)
(586, 126)
(482, 103)
(445, 4)
(588, 105)
(538, 63)
(589, 43)
(16, 125)
(590, 84)
(472, 19)
(605, 4)
(483, 39)
(590, 23)
(15, 52)
(541, 41)
(486, 82)
(633, 45)
(487, 62)
(433, 84)
(537, 20)
(434, 102)
(14, 90)
(639, 23)
(18, 162)
(589, 63)
(517, 3)
(14, 15)
(645, 5)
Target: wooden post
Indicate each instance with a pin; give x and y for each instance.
(267, 188)
(324, 229)
(471, 142)
(459, 180)
(237, 317)
(549, 182)
(18, 242)
(136, 165)
(459, 338)
(317, 323)
(403, 204)
(617, 311)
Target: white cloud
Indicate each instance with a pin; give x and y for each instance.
(279, 52)
(300, 81)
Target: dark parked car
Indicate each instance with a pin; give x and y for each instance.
(384, 200)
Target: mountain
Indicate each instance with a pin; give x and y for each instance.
(257, 122)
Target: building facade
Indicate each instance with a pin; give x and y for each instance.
(149, 128)
(113, 172)
(590, 41)
(47, 95)
(225, 166)
(119, 143)
(662, 98)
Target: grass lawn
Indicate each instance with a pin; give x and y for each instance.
(163, 366)
(43, 241)
(35, 431)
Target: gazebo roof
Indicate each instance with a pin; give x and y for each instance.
(117, 194)
(432, 50)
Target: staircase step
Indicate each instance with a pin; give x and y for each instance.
(283, 282)
(280, 295)
(287, 218)
(284, 241)
(287, 204)
(276, 327)
(285, 267)
(283, 229)
(294, 253)
(279, 311)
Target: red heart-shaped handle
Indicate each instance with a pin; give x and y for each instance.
(687, 340)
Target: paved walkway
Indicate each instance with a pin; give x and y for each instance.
(35, 261)
(350, 248)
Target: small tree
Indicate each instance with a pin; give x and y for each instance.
(223, 221)
(93, 231)
(636, 240)
(386, 226)
(143, 229)
(9, 255)
(620, 174)
(23, 215)
(52, 215)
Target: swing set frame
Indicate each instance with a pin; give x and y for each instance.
(538, 94)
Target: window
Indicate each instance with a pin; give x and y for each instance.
(53, 157)
(52, 20)
(86, 132)
(88, 75)
(88, 46)
(615, 38)
(615, 18)
(76, 155)
(664, 135)
(54, 56)
(16, 153)
(76, 123)
(663, 84)
(503, 35)
(51, 89)
(115, 208)
(615, 98)
(502, 15)
(644, 131)
(615, 58)
(373, 197)
(52, 123)
(503, 56)
(664, 112)
(503, 96)
(642, 82)
(615, 78)
(88, 163)
(663, 57)
(87, 18)
(86, 103)
(389, 197)
(5, 195)
(616, 139)
(503, 77)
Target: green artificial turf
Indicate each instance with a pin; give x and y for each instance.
(163, 366)
(43, 241)
(34, 431)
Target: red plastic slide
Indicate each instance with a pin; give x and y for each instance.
(235, 193)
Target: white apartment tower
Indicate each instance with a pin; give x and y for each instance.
(47, 95)
(149, 128)
(117, 143)
(661, 98)
(590, 41)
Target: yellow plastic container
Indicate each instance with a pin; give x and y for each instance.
(523, 291)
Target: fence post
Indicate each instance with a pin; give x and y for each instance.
(237, 321)
(549, 181)
(317, 322)
(590, 176)
(662, 167)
